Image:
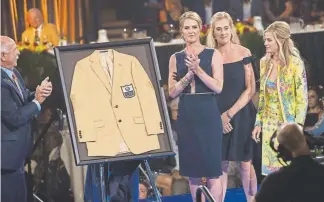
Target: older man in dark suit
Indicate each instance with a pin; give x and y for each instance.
(18, 107)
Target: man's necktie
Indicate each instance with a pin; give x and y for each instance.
(17, 84)
(37, 39)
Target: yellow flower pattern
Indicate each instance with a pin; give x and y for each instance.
(283, 100)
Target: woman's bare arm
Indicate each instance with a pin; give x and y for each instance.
(176, 87)
(248, 93)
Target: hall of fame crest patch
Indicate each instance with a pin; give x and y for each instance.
(128, 91)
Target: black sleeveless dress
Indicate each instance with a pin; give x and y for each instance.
(238, 144)
(199, 125)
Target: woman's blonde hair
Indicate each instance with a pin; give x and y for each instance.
(211, 40)
(281, 34)
(190, 15)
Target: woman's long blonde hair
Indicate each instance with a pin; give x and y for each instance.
(211, 40)
(281, 34)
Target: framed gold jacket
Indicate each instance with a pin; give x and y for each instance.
(115, 105)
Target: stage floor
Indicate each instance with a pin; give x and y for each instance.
(232, 195)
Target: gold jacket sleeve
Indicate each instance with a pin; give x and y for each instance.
(147, 99)
(81, 104)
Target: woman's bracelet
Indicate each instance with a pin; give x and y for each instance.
(185, 82)
(228, 115)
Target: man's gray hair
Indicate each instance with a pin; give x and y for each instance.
(4, 44)
(4, 48)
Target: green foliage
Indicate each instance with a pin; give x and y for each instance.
(35, 67)
(254, 42)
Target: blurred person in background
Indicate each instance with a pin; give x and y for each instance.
(315, 116)
(314, 106)
(206, 8)
(245, 10)
(39, 32)
(143, 190)
(170, 13)
(146, 12)
(286, 10)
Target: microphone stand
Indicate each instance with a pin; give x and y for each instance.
(203, 189)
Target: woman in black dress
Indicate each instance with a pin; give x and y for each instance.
(196, 76)
(234, 102)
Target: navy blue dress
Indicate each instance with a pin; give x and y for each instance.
(199, 125)
(238, 144)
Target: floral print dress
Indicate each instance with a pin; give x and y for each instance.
(284, 100)
(272, 119)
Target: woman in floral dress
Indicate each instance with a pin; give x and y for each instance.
(283, 90)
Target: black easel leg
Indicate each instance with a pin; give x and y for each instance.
(29, 180)
(150, 175)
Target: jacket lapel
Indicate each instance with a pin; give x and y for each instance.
(96, 67)
(11, 83)
(268, 74)
(117, 68)
(282, 97)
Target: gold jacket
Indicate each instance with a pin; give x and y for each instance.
(107, 114)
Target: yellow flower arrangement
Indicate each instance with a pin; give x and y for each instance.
(244, 27)
(203, 33)
(38, 48)
(204, 30)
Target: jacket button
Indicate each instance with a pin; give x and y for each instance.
(119, 120)
(116, 106)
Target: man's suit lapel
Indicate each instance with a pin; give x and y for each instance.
(11, 83)
(96, 67)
